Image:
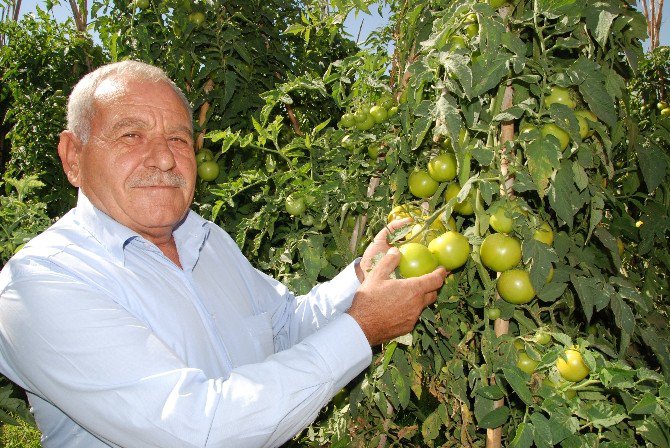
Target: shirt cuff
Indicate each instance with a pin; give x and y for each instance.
(344, 347)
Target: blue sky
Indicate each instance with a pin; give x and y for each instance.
(352, 24)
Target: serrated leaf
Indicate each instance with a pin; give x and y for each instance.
(588, 289)
(543, 159)
(493, 392)
(523, 438)
(430, 428)
(519, 383)
(623, 315)
(541, 430)
(563, 196)
(653, 164)
(495, 418)
(645, 405)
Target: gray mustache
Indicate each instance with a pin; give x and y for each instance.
(158, 179)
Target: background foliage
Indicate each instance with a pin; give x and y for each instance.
(269, 82)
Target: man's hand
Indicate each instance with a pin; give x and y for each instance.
(379, 245)
(386, 308)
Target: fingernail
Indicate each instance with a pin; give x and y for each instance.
(393, 251)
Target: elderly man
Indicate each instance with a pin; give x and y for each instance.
(134, 322)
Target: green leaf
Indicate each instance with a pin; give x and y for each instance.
(543, 159)
(430, 428)
(519, 383)
(588, 76)
(541, 430)
(653, 164)
(563, 196)
(589, 291)
(523, 438)
(488, 71)
(623, 315)
(495, 418)
(603, 414)
(645, 405)
(493, 392)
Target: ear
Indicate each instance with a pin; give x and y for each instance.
(69, 150)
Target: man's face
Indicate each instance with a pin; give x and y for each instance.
(138, 165)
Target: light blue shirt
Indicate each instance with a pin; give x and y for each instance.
(117, 346)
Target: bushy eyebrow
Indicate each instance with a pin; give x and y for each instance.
(130, 122)
(138, 123)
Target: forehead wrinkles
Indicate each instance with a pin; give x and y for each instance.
(113, 90)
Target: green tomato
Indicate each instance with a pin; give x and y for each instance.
(560, 95)
(295, 205)
(571, 366)
(493, 313)
(142, 4)
(661, 105)
(415, 260)
(378, 114)
(471, 30)
(204, 155)
(421, 184)
(393, 110)
(208, 170)
(558, 133)
(526, 363)
(464, 208)
(665, 112)
(589, 117)
(542, 337)
(360, 115)
(501, 221)
(443, 167)
(514, 286)
(451, 249)
(500, 252)
(457, 43)
(373, 150)
(386, 101)
(347, 120)
(367, 124)
(196, 18)
(544, 234)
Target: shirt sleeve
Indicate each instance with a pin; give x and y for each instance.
(72, 346)
(294, 318)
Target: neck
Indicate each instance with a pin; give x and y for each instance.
(169, 249)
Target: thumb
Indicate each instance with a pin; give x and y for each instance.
(387, 264)
(429, 282)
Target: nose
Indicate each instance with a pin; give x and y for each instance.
(160, 155)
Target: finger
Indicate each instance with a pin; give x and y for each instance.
(429, 282)
(387, 264)
(397, 224)
(429, 298)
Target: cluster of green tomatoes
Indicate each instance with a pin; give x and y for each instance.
(366, 116)
(208, 169)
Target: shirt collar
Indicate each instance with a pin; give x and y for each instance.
(189, 235)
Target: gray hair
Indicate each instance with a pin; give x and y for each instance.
(80, 106)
